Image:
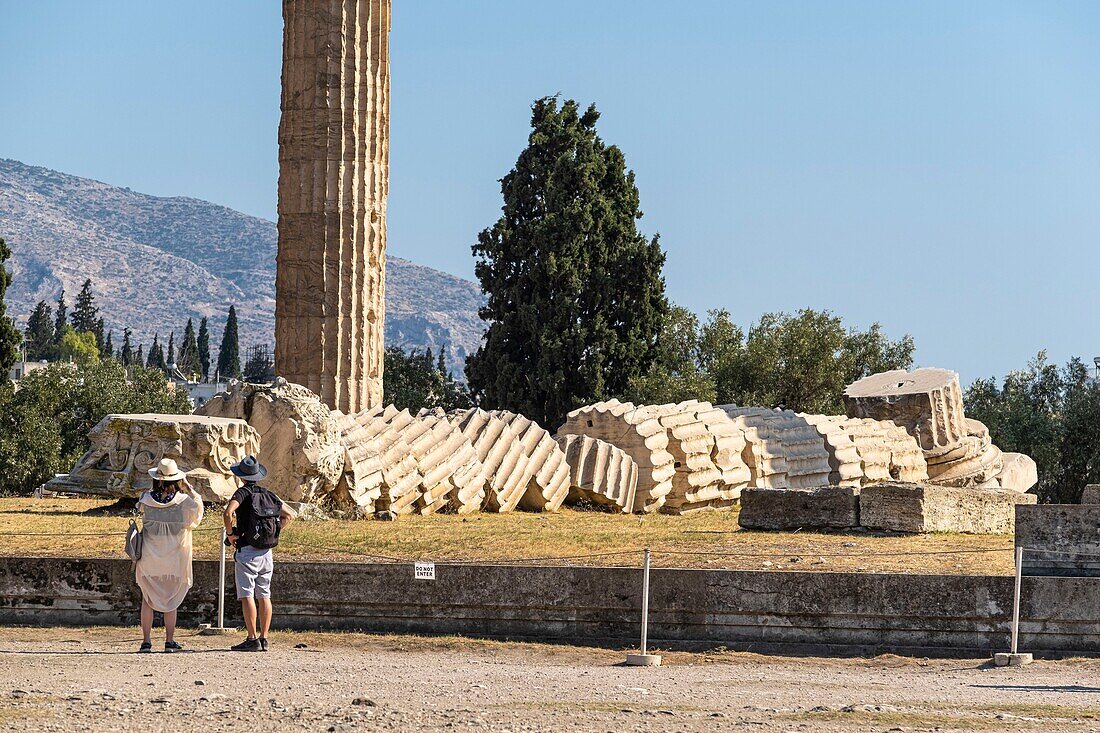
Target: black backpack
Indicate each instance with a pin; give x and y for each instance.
(264, 526)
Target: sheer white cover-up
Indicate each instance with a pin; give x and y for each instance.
(164, 571)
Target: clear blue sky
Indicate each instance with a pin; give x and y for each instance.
(934, 166)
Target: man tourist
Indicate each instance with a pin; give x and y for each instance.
(254, 518)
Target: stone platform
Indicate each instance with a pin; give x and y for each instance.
(927, 508)
(1059, 539)
(824, 507)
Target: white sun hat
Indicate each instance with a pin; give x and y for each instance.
(167, 471)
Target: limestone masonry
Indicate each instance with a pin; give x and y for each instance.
(785, 470)
(333, 182)
(125, 447)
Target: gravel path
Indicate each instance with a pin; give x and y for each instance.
(90, 680)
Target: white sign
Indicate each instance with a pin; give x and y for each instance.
(424, 571)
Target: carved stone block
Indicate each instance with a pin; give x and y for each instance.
(125, 447)
(823, 507)
(299, 437)
(929, 508)
(927, 403)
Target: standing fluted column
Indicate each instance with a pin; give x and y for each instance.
(333, 180)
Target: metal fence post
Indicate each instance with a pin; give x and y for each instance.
(207, 629)
(1013, 658)
(221, 583)
(1016, 599)
(644, 659)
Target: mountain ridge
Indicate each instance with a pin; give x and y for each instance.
(156, 261)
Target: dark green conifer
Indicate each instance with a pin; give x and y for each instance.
(39, 335)
(204, 349)
(575, 292)
(229, 355)
(10, 338)
(85, 315)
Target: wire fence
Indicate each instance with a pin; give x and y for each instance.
(642, 554)
(862, 553)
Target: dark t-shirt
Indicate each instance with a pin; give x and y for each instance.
(243, 497)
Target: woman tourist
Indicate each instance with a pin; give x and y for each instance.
(170, 511)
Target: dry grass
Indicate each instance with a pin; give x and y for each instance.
(503, 537)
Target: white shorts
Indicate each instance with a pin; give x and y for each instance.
(252, 571)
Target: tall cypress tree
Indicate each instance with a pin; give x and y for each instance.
(204, 349)
(229, 355)
(188, 357)
(85, 315)
(10, 338)
(108, 351)
(126, 354)
(155, 359)
(575, 292)
(39, 335)
(140, 359)
(99, 338)
(171, 358)
(60, 319)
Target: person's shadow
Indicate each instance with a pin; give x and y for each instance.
(1041, 688)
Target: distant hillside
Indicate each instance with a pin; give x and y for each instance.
(155, 262)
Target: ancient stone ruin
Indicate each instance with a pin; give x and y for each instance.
(888, 465)
(300, 439)
(333, 184)
(125, 447)
(957, 451)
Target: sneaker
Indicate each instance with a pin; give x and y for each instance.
(172, 646)
(263, 644)
(145, 648)
(248, 645)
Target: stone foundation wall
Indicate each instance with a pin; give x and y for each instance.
(791, 612)
(1059, 539)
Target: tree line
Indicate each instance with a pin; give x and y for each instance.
(54, 333)
(1053, 415)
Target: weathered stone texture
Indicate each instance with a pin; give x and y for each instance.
(333, 184)
(975, 462)
(1059, 539)
(125, 447)
(637, 432)
(450, 474)
(886, 451)
(926, 402)
(824, 507)
(402, 480)
(299, 438)
(363, 478)
(549, 483)
(764, 453)
(1091, 494)
(792, 437)
(845, 464)
(599, 472)
(706, 447)
(504, 463)
(928, 508)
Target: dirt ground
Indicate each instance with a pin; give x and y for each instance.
(71, 528)
(88, 681)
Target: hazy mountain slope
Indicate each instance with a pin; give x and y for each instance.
(157, 261)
